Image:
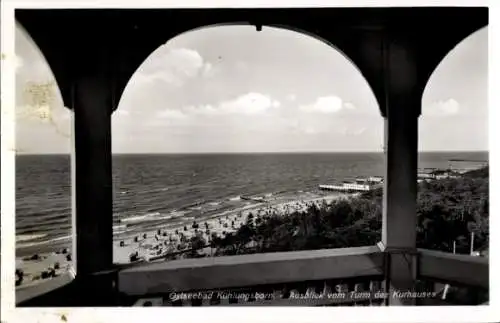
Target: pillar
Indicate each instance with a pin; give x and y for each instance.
(403, 100)
(92, 105)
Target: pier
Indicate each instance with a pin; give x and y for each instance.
(359, 185)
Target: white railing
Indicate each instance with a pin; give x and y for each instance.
(454, 268)
(153, 282)
(250, 270)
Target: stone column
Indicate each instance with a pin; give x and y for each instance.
(400, 183)
(92, 105)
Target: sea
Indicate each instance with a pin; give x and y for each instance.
(155, 189)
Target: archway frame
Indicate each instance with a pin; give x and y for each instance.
(395, 49)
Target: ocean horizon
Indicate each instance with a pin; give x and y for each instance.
(183, 186)
(270, 152)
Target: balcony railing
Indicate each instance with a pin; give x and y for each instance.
(328, 277)
(463, 270)
(271, 279)
(250, 270)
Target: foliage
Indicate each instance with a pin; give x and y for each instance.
(19, 277)
(196, 242)
(451, 209)
(447, 210)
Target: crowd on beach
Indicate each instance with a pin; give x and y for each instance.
(38, 267)
(161, 243)
(178, 241)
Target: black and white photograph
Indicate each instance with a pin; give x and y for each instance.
(248, 157)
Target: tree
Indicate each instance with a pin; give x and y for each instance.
(447, 210)
(19, 277)
(214, 240)
(197, 242)
(244, 234)
(258, 221)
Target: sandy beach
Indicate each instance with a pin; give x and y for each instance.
(40, 267)
(158, 243)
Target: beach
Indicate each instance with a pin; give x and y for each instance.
(161, 242)
(172, 241)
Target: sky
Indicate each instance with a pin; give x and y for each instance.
(233, 89)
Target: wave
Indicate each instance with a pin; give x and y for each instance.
(41, 226)
(166, 217)
(163, 189)
(28, 237)
(119, 226)
(48, 214)
(132, 225)
(138, 218)
(196, 204)
(177, 214)
(39, 243)
(156, 216)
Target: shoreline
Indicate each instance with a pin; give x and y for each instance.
(219, 223)
(161, 240)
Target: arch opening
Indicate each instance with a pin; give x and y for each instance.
(457, 93)
(237, 125)
(258, 27)
(454, 197)
(213, 62)
(43, 171)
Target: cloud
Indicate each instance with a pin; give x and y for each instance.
(348, 131)
(301, 126)
(251, 103)
(183, 61)
(349, 106)
(208, 69)
(172, 66)
(171, 114)
(311, 130)
(204, 109)
(443, 108)
(291, 97)
(248, 104)
(325, 104)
